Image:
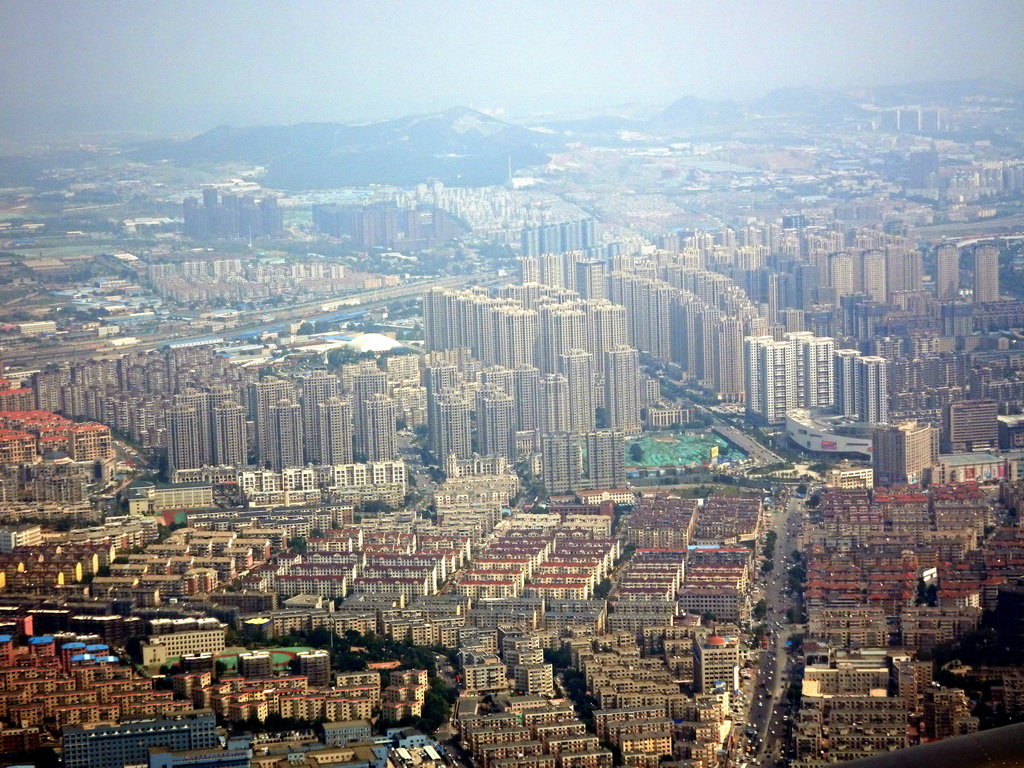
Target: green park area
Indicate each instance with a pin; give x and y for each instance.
(679, 449)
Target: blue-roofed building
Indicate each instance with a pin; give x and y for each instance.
(70, 650)
(204, 341)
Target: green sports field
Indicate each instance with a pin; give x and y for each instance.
(281, 657)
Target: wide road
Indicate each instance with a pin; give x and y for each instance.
(767, 714)
(249, 322)
(419, 477)
(747, 444)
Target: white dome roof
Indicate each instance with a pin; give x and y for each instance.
(373, 342)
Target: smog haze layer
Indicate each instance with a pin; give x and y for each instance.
(184, 67)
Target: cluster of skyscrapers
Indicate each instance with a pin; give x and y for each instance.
(206, 429)
(559, 361)
(806, 371)
(985, 273)
(229, 215)
(560, 237)
(547, 370)
(384, 224)
(553, 374)
(295, 423)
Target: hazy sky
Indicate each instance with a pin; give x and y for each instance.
(171, 65)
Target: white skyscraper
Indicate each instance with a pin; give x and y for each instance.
(515, 332)
(578, 369)
(264, 395)
(815, 371)
(454, 431)
(845, 375)
(334, 431)
(606, 329)
(727, 348)
(589, 279)
(527, 396)
(562, 462)
(605, 459)
(286, 439)
(562, 328)
(554, 404)
(552, 269)
(873, 389)
(229, 435)
(947, 272)
(365, 385)
(500, 377)
(439, 380)
(986, 274)
(840, 270)
(770, 378)
(318, 386)
(529, 269)
(874, 275)
(185, 438)
(381, 432)
(495, 422)
(622, 389)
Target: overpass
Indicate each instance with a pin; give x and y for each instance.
(966, 243)
(747, 444)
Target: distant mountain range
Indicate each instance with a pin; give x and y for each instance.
(824, 103)
(696, 113)
(465, 147)
(458, 146)
(944, 92)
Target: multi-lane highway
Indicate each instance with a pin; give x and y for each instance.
(749, 445)
(768, 714)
